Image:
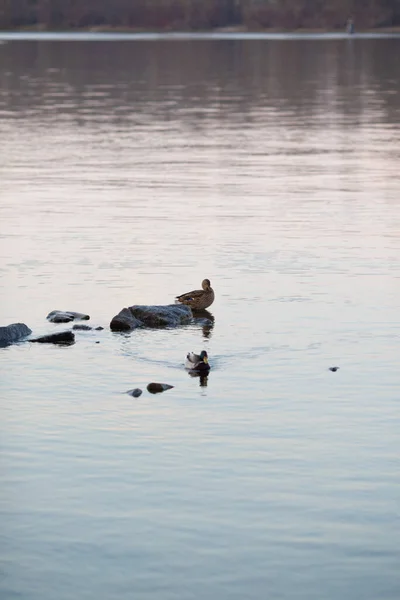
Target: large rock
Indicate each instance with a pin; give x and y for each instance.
(64, 337)
(62, 316)
(171, 315)
(13, 333)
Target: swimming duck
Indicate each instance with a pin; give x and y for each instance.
(198, 299)
(197, 362)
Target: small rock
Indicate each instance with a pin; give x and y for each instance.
(334, 369)
(98, 328)
(156, 388)
(80, 327)
(61, 316)
(64, 337)
(135, 393)
(204, 322)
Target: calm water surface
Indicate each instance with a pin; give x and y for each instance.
(129, 172)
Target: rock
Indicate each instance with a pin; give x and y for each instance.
(82, 327)
(124, 321)
(13, 333)
(135, 393)
(204, 322)
(334, 369)
(156, 388)
(61, 316)
(171, 315)
(64, 337)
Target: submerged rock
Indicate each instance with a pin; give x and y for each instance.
(135, 393)
(64, 337)
(334, 369)
(156, 388)
(61, 316)
(13, 333)
(171, 315)
(204, 322)
(82, 327)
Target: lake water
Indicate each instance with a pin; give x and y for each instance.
(129, 172)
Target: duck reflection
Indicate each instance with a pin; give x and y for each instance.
(203, 377)
(205, 320)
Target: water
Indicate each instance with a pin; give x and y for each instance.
(129, 172)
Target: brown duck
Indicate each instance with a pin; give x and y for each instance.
(198, 299)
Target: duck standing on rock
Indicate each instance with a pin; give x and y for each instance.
(197, 362)
(198, 299)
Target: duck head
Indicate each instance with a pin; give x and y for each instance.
(204, 356)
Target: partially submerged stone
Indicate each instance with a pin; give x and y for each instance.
(62, 316)
(170, 315)
(13, 333)
(83, 327)
(135, 393)
(156, 388)
(64, 337)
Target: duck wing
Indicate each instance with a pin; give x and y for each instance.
(190, 295)
(193, 358)
(195, 362)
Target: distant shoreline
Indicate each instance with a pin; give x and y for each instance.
(219, 30)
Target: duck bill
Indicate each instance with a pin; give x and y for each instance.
(205, 360)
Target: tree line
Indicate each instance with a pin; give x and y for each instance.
(195, 15)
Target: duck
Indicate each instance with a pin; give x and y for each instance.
(197, 362)
(198, 299)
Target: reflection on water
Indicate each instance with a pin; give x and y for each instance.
(131, 170)
(205, 320)
(203, 377)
